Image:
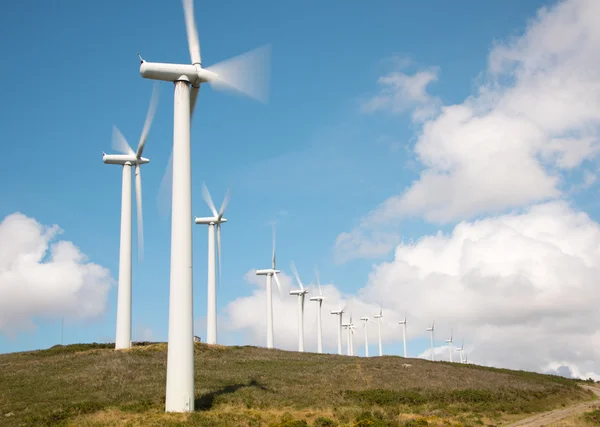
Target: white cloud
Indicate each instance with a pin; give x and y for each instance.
(534, 116)
(401, 92)
(42, 277)
(511, 285)
(355, 244)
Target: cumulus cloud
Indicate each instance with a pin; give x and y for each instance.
(44, 277)
(534, 116)
(400, 92)
(524, 283)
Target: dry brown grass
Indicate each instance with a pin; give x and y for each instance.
(255, 386)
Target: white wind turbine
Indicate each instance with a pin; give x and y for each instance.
(319, 299)
(403, 323)
(271, 273)
(366, 319)
(449, 342)
(346, 327)
(300, 293)
(430, 330)
(351, 328)
(238, 74)
(339, 312)
(217, 219)
(460, 350)
(127, 159)
(379, 322)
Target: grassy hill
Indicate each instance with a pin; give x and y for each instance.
(90, 384)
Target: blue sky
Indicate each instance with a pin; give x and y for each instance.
(310, 158)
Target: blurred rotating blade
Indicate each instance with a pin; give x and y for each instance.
(148, 122)
(208, 199)
(119, 143)
(140, 220)
(165, 192)
(248, 73)
(278, 284)
(192, 32)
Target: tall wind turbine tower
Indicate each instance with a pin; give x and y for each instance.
(128, 159)
(319, 299)
(271, 274)
(366, 319)
(430, 330)
(217, 219)
(403, 323)
(300, 293)
(346, 327)
(379, 318)
(238, 74)
(339, 312)
(449, 342)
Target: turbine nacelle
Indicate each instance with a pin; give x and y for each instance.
(364, 318)
(299, 292)
(209, 220)
(121, 159)
(194, 74)
(317, 298)
(339, 312)
(266, 272)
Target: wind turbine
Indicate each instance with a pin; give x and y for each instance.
(235, 74)
(403, 323)
(300, 293)
(217, 218)
(339, 312)
(366, 319)
(127, 159)
(449, 341)
(319, 299)
(460, 350)
(351, 331)
(271, 273)
(346, 326)
(430, 330)
(380, 317)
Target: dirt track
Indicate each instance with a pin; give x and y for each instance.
(547, 418)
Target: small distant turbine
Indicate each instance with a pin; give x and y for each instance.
(449, 341)
(319, 299)
(339, 312)
(346, 327)
(403, 323)
(366, 319)
(217, 219)
(430, 330)
(300, 293)
(351, 327)
(271, 273)
(460, 350)
(380, 317)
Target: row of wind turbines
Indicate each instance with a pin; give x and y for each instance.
(349, 327)
(246, 74)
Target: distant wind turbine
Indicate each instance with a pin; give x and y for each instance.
(366, 319)
(271, 273)
(300, 293)
(319, 299)
(128, 159)
(216, 219)
(460, 350)
(339, 312)
(430, 330)
(449, 341)
(380, 320)
(403, 323)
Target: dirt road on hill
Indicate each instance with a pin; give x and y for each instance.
(548, 418)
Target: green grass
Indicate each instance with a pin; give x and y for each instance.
(91, 384)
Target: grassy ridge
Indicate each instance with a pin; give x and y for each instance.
(94, 385)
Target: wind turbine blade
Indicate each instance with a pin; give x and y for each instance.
(149, 118)
(247, 73)
(273, 258)
(318, 282)
(119, 143)
(140, 220)
(208, 199)
(193, 97)
(278, 284)
(165, 191)
(219, 249)
(224, 204)
(192, 32)
(293, 266)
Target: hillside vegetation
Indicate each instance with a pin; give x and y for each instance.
(249, 386)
